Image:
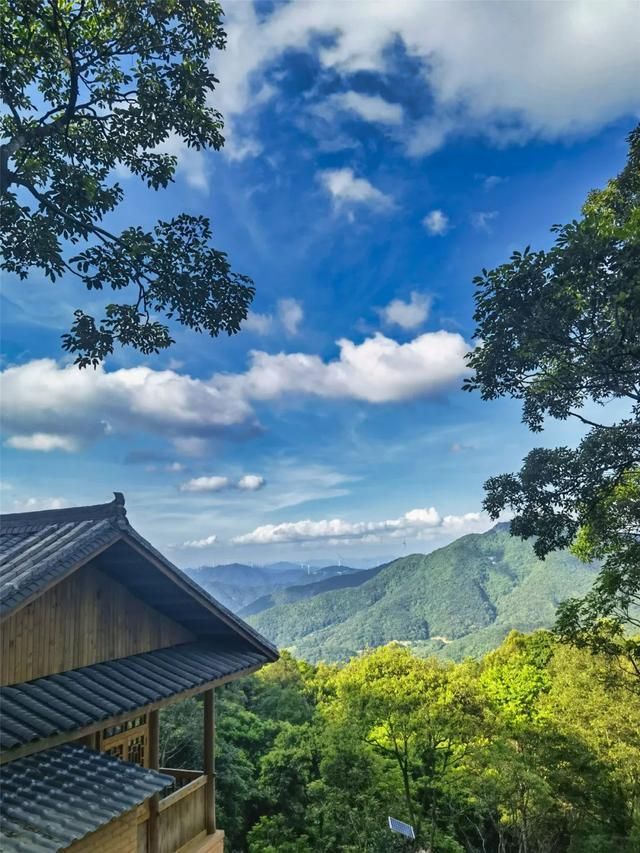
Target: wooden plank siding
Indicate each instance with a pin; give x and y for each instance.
(117, 836)
(85, 619)
(182, 819)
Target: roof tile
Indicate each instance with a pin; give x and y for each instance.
(53, 798)
(81, 697)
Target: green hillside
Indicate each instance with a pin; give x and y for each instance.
(459, 600)
(346, 578)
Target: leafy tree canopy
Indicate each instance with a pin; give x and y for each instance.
(533, 748)
(560, 331)
(92, 87)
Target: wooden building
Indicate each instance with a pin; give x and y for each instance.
(99, 632)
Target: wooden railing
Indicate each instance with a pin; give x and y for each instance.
(181, 816)
(181, 777)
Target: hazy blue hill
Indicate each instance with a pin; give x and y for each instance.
(334, 577)
(236, 584)
(463, 598)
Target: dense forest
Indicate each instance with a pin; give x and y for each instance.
(535, 748)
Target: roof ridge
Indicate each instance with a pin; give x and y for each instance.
(115, 510)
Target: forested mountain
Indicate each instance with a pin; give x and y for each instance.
(235, 584)
(461, 599)
(344, 579)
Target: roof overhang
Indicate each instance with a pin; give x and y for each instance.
(40, 714)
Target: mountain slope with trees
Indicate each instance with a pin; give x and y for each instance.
(463, 598)
(342, 579)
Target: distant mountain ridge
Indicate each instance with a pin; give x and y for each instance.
(461, 599)
(236, 585)
(341, 579)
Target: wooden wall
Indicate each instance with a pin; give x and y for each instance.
(84, 619)
(181, 819)
(118, 836)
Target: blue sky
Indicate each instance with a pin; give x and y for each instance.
(378, 156)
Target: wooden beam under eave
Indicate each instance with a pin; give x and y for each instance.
(210, 760)
(153, 834)
(65, 737)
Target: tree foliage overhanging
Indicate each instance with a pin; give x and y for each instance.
(533, 749)
(90, 88)
(559, 330)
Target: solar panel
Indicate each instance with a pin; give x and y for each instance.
(401, 828)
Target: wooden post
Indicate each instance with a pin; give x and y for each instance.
(154, 760)
(210, 760)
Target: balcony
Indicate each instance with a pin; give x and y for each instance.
(182, 816)
(182, 824)
(183, 820)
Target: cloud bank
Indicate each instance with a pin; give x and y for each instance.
(417, 523)
(508, 72)
(48, 406)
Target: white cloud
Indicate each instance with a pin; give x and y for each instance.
(291, 315)
(490, 182)
(247, 483)
(482, 219)
(43, 442)
(488, 70)
(415, 523)
(372, 108)
(200, 543)
(436, 222)
(379, 370)
(470, 522)
(251, 482)
(407, 315)
(241, 150)
(42, 396)
(192, 164)
(206, 484)
(36, 504)
(347, 190)
(429, 135)
(259, 323)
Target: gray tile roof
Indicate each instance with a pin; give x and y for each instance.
(31, 555)
(81, 697)
(53, 798)
(38, 547)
